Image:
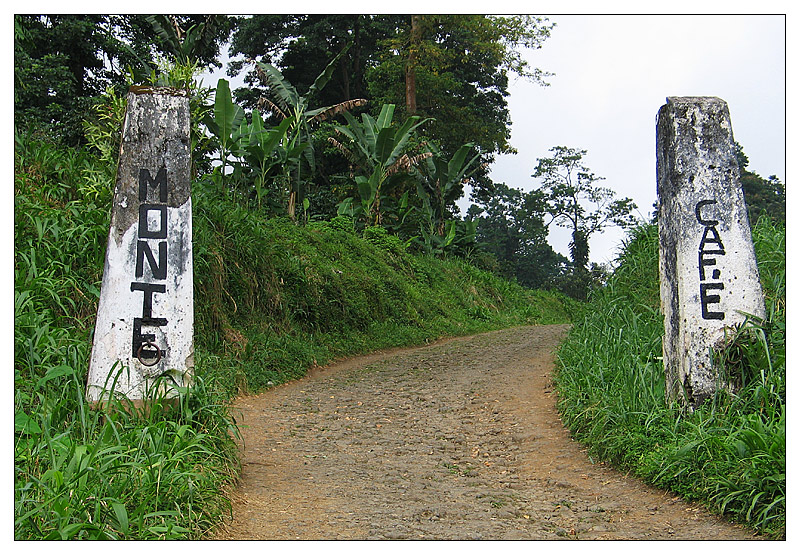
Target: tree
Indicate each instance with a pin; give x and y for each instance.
(64, 63)
(261, 157)
(576, 201)
(440, 183)
(411, 64)
(455, 70)
(301, 46)
(762, 196)
(452, 68)
(511, 227)
(191, 39)
(59, 69)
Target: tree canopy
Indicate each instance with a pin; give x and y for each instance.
(460, 66)
(63, 63)
(762, 196)
(301, 47)
(511, 226)
(576, 201)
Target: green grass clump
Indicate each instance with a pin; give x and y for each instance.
(80, 472)
(730, 453)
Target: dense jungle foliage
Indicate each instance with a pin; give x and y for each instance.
(326, 225)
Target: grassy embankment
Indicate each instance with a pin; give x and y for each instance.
(280, 298)
(730, 454)
(271, 299)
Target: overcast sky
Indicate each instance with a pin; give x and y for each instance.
(613, 73)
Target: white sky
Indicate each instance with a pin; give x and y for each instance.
(613, 73)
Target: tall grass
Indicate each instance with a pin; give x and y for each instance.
(80, 472)
(731, 453)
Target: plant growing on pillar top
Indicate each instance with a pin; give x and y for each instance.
(103, 125)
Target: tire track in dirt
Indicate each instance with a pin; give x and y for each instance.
(456, 440)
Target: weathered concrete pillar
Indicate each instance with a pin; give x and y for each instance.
(709, 278)
(143, 338)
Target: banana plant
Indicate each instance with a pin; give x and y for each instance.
(456, 235)
(440, 182)
(267, 151)
(379, 149)
(224, 122)
(288, 103)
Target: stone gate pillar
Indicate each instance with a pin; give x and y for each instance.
(709, 278)
(143, 338)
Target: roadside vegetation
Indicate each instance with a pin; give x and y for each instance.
(272, 299)
(277, 298)
(80, 472)
(326, 224)
(731, 453)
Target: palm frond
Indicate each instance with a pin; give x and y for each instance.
(264, 102)
(284, 93)
(406, 162)
(344, 150)
(324, 113)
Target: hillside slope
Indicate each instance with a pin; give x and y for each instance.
(275, 298)
(271, 300)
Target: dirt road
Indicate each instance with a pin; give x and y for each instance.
(456, 440)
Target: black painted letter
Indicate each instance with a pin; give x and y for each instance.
(699, 216)
(144, 229)
(145, 179)
(159, 270)
(706, 300)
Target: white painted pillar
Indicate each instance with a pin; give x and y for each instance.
(709, 277)
(143, 338)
